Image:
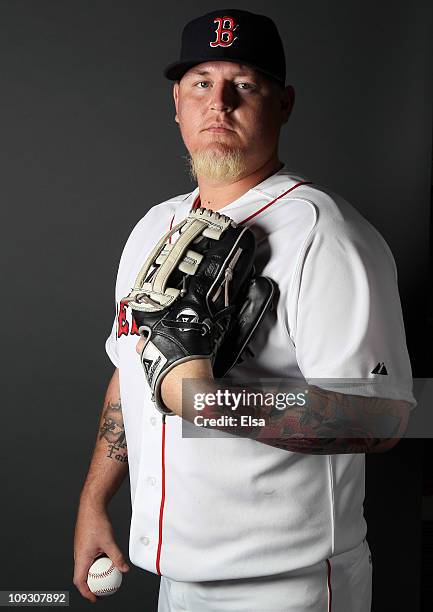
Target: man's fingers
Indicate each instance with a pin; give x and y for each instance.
(80, 580)
(139, 346)
(115, 554)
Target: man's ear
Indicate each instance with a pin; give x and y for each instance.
(287, 102)
(176, 98)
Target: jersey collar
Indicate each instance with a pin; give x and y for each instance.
(270, 188)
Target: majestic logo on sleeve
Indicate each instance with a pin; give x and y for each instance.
(225, 32)
(380, 369)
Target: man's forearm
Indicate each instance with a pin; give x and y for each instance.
(109, 464)
(328, 423)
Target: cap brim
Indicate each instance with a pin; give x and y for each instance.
(176, 70)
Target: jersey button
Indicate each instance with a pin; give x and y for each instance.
(151, 481)
(145, 541)
(153, 421)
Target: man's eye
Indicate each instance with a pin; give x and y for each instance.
(241, 85)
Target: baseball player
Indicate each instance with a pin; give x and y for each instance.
(248, 522)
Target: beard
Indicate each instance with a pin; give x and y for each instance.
(225, 165)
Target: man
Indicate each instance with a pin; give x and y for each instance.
(255, 522)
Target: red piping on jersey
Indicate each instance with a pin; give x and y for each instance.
(329, 586)
(273, 201)
(161, 508)
(197, 204)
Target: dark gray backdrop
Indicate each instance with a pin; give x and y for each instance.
(88, 144)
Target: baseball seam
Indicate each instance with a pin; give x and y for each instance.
(105, 590)
(102, 574)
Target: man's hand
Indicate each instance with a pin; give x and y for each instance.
(93, 536)
(140, 345)
(171, 388)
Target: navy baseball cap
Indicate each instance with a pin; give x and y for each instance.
(231, 35)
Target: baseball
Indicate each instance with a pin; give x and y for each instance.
(103, 577)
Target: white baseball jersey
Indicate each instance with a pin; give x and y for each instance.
(216, 508)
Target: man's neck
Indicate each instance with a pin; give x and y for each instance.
(217, 195)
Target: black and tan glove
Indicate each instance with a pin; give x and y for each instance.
(198, 297)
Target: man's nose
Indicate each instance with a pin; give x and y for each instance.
(223, 96)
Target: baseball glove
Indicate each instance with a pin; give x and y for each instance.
(191, 295)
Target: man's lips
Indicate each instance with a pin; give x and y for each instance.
(218, 127)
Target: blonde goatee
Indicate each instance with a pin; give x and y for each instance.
(214, 165)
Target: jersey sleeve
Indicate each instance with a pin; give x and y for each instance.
(111, 344)
(349, 334)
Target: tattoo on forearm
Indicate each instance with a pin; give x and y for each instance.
(329, 423)
(113, 431)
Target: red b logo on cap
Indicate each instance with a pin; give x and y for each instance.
(224, 32)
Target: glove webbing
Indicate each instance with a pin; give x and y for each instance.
(158, 285)
(160, 279)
